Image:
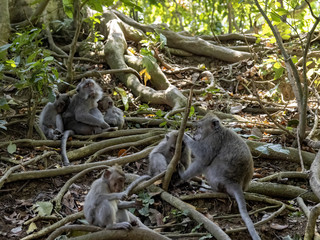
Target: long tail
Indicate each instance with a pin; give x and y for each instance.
(136, 182)
(66, 135)
(236, 191)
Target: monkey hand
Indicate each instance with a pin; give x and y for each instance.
(122, 195)
(138, 203)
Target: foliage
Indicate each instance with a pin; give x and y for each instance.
(32, 64)
(146, 202)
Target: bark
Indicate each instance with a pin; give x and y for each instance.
(115, 48)
(190, 44)
(4, 22)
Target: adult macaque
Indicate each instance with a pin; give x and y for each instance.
(102, 206)
(112, 115)
(161, 155)
(226, 161)
(50, 119)
(82, 115)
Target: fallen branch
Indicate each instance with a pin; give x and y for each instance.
(8, 173)
(51, 228)
(77, 168)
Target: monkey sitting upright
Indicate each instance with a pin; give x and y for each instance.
(82, 115)
(226, 161)
(112, 115)
(161, 155)
(102, 206)
(50, 119)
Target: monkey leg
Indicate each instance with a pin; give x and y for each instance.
(157, 164)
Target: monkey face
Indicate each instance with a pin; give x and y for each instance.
(206, 126)
(88, 88)
(62, 102)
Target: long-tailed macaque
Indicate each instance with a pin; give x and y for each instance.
(82, 115)
(50, 119)
(102, 206)
(161, 155)
(112, 115)
(226, 161)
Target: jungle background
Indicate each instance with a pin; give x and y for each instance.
(254, 63)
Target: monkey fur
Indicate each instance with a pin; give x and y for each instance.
(50, 119)
(161, 155)
(82, 115)
(102, 206)
(112, 115)
(225, 159)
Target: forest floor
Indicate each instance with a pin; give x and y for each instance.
(17, 199)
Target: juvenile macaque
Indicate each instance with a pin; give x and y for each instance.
(102, 206)
(112, 115)
(161, 155)
(82, 115)
(50, 119)
(226, 161)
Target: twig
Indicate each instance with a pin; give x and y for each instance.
(6, 176)
(54, 226)
(299, 150)
(200, 218)
(177, 153)
(281, 175)
(268, 114)
(95, 73)
(77, 168)
(141, 142)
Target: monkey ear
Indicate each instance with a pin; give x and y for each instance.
(107, 174)
(215, 123)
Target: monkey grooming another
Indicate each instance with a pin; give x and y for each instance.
(50, 119)
(225, 159)
(112, 115)
(102, 206)
(161, 155)
(82, 115)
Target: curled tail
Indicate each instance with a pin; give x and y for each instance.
(66, 135)
(135, 183)
(236, 191)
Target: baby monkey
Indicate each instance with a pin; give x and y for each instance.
(102, 206)
(112, 115)
(226, 161)
(161, 155)
(50, 119)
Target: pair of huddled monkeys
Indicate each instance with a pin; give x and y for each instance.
(218, 152)
(82, 114)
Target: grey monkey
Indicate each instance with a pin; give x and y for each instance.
(50, 119)
(226, 161)
(82, 115)
(112, 115)
(161, 155)
(102, 206)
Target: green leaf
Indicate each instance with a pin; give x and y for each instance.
(5, 47)
(43, 208)
(124, 97)
(275, 17)
(163, 124)
(192, 111)
(277, 65)
(11, 148)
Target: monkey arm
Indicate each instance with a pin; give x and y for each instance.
(193, 170)
(126, 204)
(111, 196)
(91, 117)
(59, 123)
